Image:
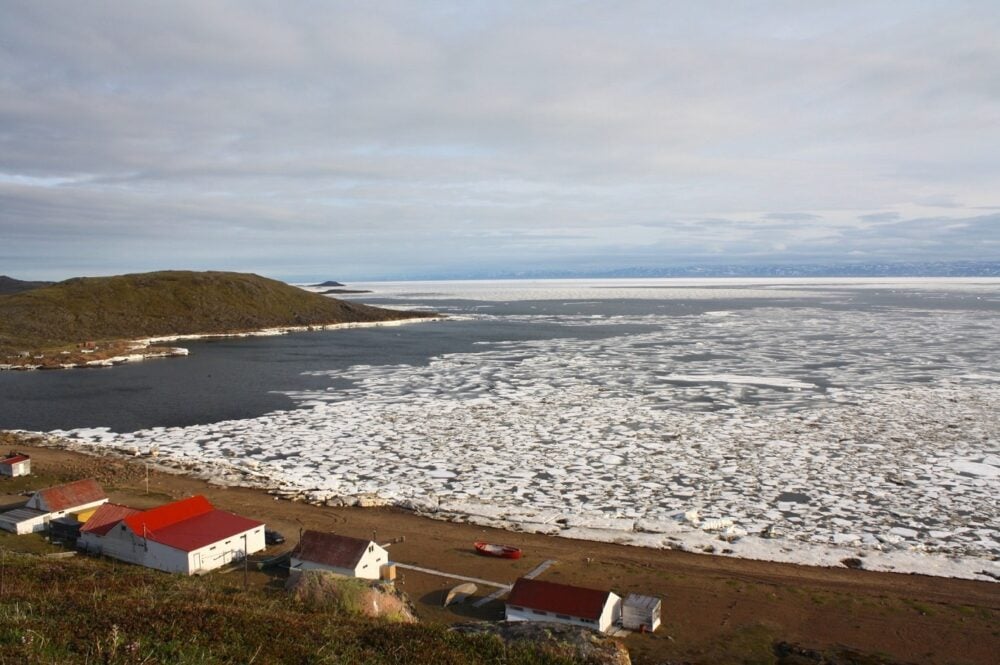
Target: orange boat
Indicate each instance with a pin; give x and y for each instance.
(502, 551)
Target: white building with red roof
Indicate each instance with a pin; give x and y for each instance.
(351, 557)
(535, 600)
(52, 503)
(188, 536)
(15, 464)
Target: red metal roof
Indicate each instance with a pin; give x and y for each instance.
(558, 598)
(188, 524)
(203, 530)
(14, 459)
(106, 517)
(70, 495)
(168, 514)
(331, 549)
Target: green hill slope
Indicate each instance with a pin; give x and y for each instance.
(167, 303)
(98, 611)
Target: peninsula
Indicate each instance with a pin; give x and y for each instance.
(87, 320)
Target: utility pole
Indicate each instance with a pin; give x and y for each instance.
(146, 464)
(246, 563)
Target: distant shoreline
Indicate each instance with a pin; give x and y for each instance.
(140, 349)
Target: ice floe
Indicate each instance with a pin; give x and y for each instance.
(802, 434)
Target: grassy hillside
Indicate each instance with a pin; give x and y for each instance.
(86, 610)
(166, 303)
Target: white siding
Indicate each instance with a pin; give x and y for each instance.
(369, 566)
(16, 469)
(371, 562)
(225, 551)
(121, 543)
(299, 564)
(609, 615)
(31, 525)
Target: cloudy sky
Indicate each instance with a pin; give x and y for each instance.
(365, 140)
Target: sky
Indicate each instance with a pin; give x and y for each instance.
(392, 140)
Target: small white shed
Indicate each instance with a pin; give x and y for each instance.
(641, 612)
(15, 464)
(351, 557)
(536, 600)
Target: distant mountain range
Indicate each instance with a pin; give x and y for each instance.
(893, 269)
(10, 285)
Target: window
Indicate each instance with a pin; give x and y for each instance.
(565, 617)
(541, 612)
(371, 548)
(212, 547)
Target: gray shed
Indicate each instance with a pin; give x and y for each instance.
(641, 612)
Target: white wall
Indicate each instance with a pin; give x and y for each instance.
(371, 563)
(33, 525)
(124, 545)
(369, 567)
(299, 564)
(224, 551)
(17, 469)
(609, 616)
(119, 543)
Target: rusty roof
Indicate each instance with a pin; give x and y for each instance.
(14, 459)
(106, 517)
(573, 601)
(70, 495)
(331, 549)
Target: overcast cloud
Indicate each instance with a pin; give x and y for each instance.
(359, 140)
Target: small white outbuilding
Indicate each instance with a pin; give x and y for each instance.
(641, 612)
(351, 557)
(15, 464)
(535, 600)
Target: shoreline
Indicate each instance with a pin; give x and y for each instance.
(685, 533)
(152, 350)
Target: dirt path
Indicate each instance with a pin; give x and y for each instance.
(715, 609)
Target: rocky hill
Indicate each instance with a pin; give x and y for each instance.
(167, 303)
(10, 285)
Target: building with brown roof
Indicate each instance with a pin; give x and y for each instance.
(535, 600)
(351, 557)
(52, 503)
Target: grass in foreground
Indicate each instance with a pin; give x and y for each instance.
(86, 610)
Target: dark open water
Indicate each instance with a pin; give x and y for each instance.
(243, 378)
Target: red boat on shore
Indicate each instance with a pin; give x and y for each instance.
(502, 551)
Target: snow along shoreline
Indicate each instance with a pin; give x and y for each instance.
(683, 532)
(140, 347)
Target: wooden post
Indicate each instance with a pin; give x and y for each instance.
(246, 562)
